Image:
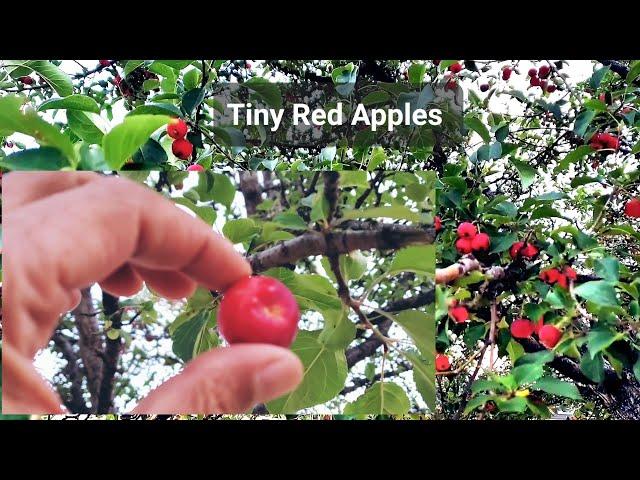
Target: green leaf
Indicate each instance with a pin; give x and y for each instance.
(593, 367)
(545, 211)
(527, 373)
(151, 154)
(595, 105)
(377, 97)
(194, 335)
(13, 119)
(91, 158)
(512, 405)
(421, 328)
(424, 377)
(191, 79)
(597, 77)
(268, 91)
(478, 401)
(555, 386)
(72, 102)
(515, 351)
(324, 375)
(599, 339)
(291, 221)
(206, 213)
(484, 385)
(398, 212)
(608, 269)
(240, 230)
(636, 369)
(419, 259)
(378, 157)
(124, 139)
(475, 124)
(354, 178)
(44, 158)
(156, 109)
(113, 333)
(54, 76)
(634, 71)
(192, 99)
(599, 292)
(572, 157)
(381, 398)
(176, 64)
(582, 122)
(82, 125)
(503, 242)
(344, 78)
(527, 173)
(131, 65)
(416, 73)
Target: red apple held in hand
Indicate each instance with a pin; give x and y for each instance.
(442, 363)
(258, 309)
(195, 168)
(177, 128)
(549, 335)
(467, 230)
(632, 208)
(464, 246)
(182, 148)
(522, 328)
(481, 242)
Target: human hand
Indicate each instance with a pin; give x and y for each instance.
(65, 231)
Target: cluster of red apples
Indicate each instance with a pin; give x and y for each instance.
(469, 240)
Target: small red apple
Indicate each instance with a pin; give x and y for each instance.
(182, 148)
(104, 63)
(551, 88)
(177, 128)
(455, 68)
(544, 71)
(570, 273)
(26, 80)
(522, 328)
(464, 245)
(195, 168)
(481, 242)
(534, 82)
(467, 230)
(258, 309)
(533, 72)
(549, 335)
(506, 73)
(437, 223)
(442, 363)
(632, 208)
(459, 313)
(484, 87)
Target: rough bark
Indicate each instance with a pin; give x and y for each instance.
(90, 344)
(111, 355)
(74, 401)
(251, 190)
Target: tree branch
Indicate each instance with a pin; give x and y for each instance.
(385, 236)
(111, 354)
(75, 403)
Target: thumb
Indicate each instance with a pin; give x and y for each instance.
(226, 380)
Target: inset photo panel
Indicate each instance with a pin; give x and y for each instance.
(235, 293)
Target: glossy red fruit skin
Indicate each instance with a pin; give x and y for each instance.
(26, 80)
(570, 273)
(177, 128)
(464, 245)
(506, 73)
(258, 309)
(437, 223)
(460, 314)
(551, 88)
(103, 63)
(451, 85)
(481, 242)
(609, 141)
(455, 68)
(522, 328)
(530, 251)
(549, 335)
(544, 71)
(484, 87)
(534, 82)
(195, 168)
(538, 325)
(632, 208)
(182, 148)
(442, 363)
(467, 230)
(533, 72)
(515, 249)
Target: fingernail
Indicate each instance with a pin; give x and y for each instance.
(276, 379)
